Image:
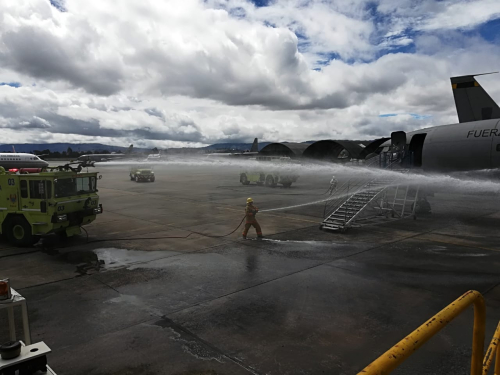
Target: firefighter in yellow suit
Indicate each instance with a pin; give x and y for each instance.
(250, 212)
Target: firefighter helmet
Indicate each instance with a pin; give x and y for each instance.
(249, 200)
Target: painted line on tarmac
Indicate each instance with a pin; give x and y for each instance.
(458, 243)
(124, 192)
(137, 229)
(280, 216)
(292, 218)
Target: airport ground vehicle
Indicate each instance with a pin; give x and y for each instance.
(142, 174)
(60, 201)
(276, 171)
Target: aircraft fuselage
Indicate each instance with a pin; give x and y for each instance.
(21, 160)
(456, 147)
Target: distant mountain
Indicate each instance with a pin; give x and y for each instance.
(234, 146)
(60, 147)
(92, 147)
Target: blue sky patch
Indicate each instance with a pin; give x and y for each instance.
(58, 4)
(490, 31)
(11, 84)
(414, 115)
(260, 3)
(238, 12)
(325, 58)
(420, 117)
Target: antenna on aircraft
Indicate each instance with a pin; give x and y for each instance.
(483, 74)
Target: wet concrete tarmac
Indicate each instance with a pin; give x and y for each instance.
(301, 301)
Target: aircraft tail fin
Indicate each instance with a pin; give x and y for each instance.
(255, 146)
(472, 101)
(129, 150)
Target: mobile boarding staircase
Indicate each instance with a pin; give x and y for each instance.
(364, 200)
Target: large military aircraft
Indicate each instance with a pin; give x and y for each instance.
(472, 144)
(254, 150)
(107, 157)
(17, 160)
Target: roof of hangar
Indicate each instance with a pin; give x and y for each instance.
(284, 149)
(332, 148)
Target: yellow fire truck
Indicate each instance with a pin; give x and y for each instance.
(54, 200)
(277, 171)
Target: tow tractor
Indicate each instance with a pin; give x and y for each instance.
(51, 200)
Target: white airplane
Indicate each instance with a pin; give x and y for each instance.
(11, 160)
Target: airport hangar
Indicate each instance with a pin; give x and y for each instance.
(326, 150)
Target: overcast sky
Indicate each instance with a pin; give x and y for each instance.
(180, 73)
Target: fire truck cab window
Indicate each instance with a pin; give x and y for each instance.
(66, 187)
(83, 185)
(24, 189)
(40, 189)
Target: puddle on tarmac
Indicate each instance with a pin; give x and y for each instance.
(301, 242)
(117, 258)
(191, 343)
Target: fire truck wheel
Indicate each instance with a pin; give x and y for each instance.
(19, 232)
(63, 236)
(244, 179)
(270, 181)
(287, 184)
(153, 179)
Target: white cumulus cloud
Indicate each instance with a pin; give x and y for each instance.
(192, 72)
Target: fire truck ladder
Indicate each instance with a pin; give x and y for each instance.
(377, 194)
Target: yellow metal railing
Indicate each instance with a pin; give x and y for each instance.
(391, 359)
(493, 351)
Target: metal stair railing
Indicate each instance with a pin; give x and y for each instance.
(404, 201)
(351, 207)
(342, 193)
(351, 187)
(379, 187)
